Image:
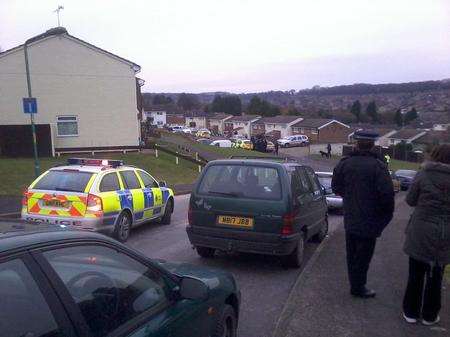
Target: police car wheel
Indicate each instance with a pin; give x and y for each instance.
(165, 220)
(123, 226)
(295, 259)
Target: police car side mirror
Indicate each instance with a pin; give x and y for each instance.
(162, 184)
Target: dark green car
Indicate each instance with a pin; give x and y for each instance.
(257, 206)
(63, 283)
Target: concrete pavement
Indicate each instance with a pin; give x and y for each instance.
(320, 303)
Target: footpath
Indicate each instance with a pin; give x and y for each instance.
(320, 303)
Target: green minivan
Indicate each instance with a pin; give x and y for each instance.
(258, 206)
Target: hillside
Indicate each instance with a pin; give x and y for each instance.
(430, 98)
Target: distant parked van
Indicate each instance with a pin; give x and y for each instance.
(221, 143)
(257, 206)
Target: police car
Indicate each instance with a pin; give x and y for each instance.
(98, 195)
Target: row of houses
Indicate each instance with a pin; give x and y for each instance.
(317, 129)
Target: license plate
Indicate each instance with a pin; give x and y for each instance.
(56, 203)
(235, 221)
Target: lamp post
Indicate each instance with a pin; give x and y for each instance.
(33, 128)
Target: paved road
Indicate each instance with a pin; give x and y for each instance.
(265, 285)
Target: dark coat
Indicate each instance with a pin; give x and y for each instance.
(428, 230)
(364, 183)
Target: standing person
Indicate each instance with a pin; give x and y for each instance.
(276, 147)
(329, 150)
(428, 238)
(387, 159)
(365, 185)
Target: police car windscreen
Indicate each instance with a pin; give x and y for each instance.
(241, 181)
(70, 181)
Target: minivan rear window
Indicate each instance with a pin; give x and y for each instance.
(241, 181)
(70, 181)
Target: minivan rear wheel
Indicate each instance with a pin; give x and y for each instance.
(295, 259)
(319, 237)
(205, 252)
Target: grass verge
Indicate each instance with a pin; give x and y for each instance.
(18, 173)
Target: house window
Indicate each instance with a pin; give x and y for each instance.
(67, 126)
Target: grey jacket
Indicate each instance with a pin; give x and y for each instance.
(428, 230)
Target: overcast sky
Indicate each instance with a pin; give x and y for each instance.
(252, 45)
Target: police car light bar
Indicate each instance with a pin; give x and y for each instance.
(94, 162)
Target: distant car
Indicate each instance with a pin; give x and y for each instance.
(177, 128)
(204, 141)
(395, 182)
(257, 206)
(203, 133)
(187, 130)
(270, 146)
(221, 143)
(243, 144)
(76, 283)
(290, 141)
(334, 202)
(406, 177)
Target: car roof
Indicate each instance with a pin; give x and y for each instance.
(324, 174)
(261, 161)
(90, 168)
(19, 235)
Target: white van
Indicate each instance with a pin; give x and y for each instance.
(221, 143)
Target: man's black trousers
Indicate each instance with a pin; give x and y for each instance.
(359, 254)
(423, 293)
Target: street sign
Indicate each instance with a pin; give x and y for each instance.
(29, 105)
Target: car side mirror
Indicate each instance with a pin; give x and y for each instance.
(193, 289)
(162, 184)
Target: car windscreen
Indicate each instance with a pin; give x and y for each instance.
(70, 181)
(325, 181)
(241, 181)
(406, 173)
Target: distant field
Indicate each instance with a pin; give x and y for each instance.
(18, 173)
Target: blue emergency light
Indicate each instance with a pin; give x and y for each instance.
(94, 162)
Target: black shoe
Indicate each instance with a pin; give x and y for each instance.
(364, 293)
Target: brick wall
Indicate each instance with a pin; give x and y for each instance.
(334, 133)
(312, 133)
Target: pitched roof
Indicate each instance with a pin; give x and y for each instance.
(433, 137)
(380, 131)
(219, 115)
(193, 114)
(280, 119)
(406, 134)
(61, 31)
(243, 118)
(316, 123)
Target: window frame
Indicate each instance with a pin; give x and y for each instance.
(103, 177)
(72, 308)
(142, 180)
(48, 293)
(124, 181)
(58, 121)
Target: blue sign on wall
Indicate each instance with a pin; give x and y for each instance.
(29, 105)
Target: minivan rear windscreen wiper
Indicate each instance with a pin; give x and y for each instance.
(228, 194)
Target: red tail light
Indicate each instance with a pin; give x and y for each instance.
(94, 203)
(288, 223)
(25, 198)
(190, 216)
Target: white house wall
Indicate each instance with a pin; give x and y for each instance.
(70, 79)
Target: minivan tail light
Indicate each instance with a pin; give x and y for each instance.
(288, 223)
(190, 216)
(94, 203)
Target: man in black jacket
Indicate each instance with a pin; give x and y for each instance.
(363, 181)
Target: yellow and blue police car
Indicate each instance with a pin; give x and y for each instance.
(98, 195)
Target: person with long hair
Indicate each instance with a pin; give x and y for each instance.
(428, 238)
